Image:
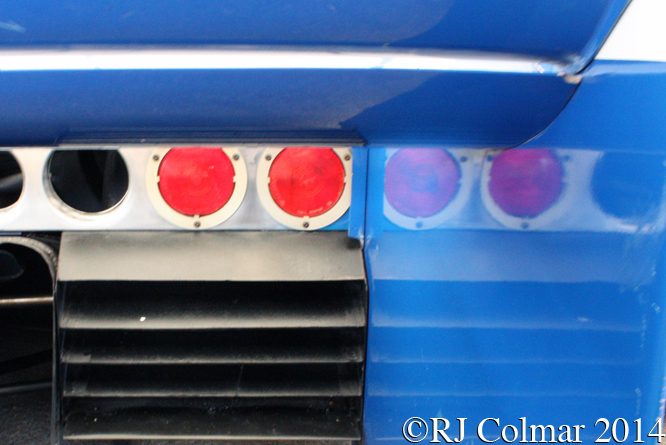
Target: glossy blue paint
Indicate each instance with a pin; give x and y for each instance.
(359, 185)
(559, 327)
(383, 106)
(618, 106)
(555, 29)
(606, 24)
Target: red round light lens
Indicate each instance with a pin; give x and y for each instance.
(306, 181)
(420, 182)
(525, 182)
(196, 181)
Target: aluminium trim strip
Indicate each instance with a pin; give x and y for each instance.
(151, 58)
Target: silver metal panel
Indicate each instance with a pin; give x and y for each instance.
(209, 256)
(38, 210)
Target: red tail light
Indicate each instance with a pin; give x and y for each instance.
(420, 182)
(305, 187)
(525, 182)
(306, 181)
(196, 187)
(196, 181)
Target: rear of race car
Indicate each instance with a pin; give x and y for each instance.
(340, 222)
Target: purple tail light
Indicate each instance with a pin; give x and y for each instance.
(525, 183)
(420, 182)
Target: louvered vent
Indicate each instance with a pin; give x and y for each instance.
(243, 336)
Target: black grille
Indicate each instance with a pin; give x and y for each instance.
(228, 360)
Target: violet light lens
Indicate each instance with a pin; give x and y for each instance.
(420, 182)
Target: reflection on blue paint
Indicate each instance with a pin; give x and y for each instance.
(421, 107)
(558, 29)
(489, 315)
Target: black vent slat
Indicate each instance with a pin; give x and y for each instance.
(212, 305)
(161, 346)
(336, 405)
(302, 380)
(215, 346)
(193, 424)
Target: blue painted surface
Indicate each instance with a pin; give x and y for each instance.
(618, 106)
(356, 228)
(408, 107)
(606, 24)
(558, 327)
(555, 29)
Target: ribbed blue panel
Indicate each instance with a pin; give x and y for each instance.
(519, 323)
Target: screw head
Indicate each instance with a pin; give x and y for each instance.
(463, 159)
(156, 158)
(525, 225)
(347, 157)
(268, 157)
(236, 157)
(306, 225)
(197, 224)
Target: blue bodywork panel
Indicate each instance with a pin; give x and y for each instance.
(558, 326)
(382, 106)
(619, 106)
(559, 29)
(417, 107)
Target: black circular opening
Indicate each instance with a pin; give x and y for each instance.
(628, 185)
(24, 273)
(90, 181)
(11, 180)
